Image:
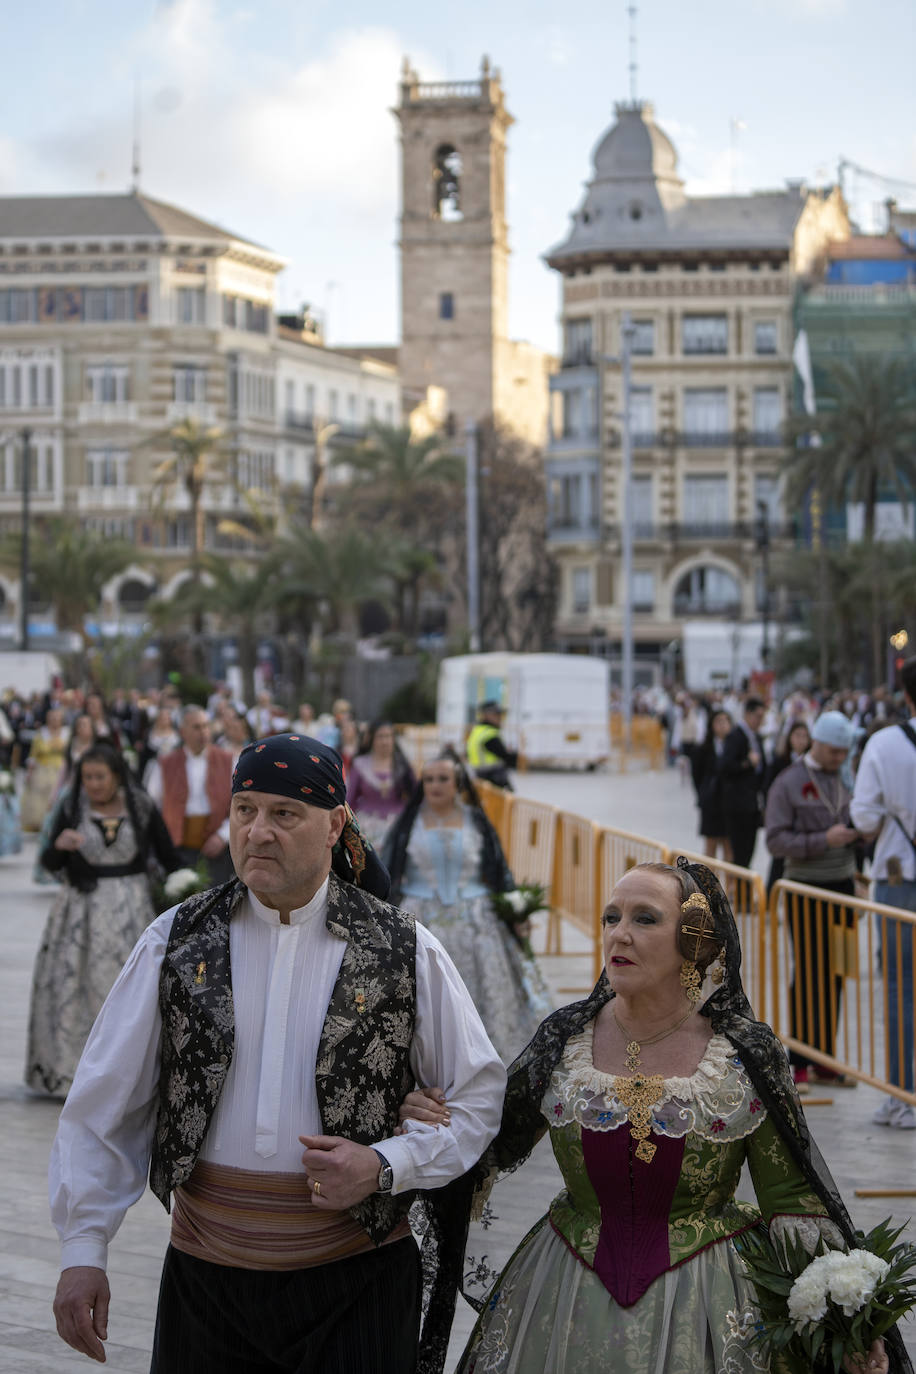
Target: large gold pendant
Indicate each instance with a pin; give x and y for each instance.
(639, 1095)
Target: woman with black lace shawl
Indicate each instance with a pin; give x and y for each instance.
(106, 834)
(655, 1090)
(445, 861)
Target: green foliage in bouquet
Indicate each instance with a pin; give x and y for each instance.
(175, 887)
(517, 906)
(814, 1310)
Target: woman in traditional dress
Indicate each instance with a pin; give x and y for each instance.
(161, 738)
(445, 860)
(236, 733)
(106, 832)
(380, 782)
(655, 1090)
(46, 759)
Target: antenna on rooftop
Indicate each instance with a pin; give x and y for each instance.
(634, 64)
(135, 162)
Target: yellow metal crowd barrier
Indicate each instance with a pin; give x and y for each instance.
(828, 994)
(835, 1013)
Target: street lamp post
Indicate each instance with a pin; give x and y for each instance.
(626, 528)
(471, 517)
(763, 544)
(24, 570)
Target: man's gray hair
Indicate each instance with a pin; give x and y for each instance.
(188, 713)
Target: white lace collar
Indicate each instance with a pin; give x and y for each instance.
(718, 1101)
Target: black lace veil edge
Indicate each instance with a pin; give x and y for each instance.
(447, 1211)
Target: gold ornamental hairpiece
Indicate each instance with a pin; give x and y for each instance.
(704, 926)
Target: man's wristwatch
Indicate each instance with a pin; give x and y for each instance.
(385, 1174)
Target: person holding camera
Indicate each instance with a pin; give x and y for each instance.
(808, 825)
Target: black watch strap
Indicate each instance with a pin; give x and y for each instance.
(385, 1173)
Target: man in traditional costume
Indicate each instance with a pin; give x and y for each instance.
(289, 1008)
(192, 787)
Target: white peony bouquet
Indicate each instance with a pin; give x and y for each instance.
(518, 906)
(182, 883)
(7, 783)
(818, 1310)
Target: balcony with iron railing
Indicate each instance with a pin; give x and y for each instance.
(705, 531)
(565, 531)
(107, 413)
(690, 606)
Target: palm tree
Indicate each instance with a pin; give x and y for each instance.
(395, 475)
(240, 595)
(867, 432)
(197, 460)
(867, 445)
(334, 573)
(70, 566)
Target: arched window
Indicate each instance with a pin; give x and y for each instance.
(133, 595)
(447, 183)
(707, 591)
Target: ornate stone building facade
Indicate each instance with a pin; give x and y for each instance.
(709, 285)
(455, 256)
(122, 315)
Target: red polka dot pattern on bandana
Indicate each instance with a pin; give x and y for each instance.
(248, 782)
(278, 764)
(305, 789)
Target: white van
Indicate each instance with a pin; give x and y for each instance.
(556, 705)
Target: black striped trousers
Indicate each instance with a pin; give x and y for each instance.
(356, 1316)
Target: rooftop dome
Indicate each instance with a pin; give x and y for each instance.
(635, 148)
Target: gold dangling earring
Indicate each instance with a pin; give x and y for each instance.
(690, 980)
(718, 973)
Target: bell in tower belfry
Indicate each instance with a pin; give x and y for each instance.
(453, 240)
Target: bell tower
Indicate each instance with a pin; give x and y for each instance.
(454, 244)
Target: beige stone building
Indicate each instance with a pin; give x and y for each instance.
(454, 246)
(709, 284)
(121, 315)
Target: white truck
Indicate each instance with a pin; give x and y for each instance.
(557, 705)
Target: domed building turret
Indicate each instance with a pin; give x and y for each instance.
(707, 283)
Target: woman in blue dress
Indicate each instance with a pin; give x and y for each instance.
(445, 860)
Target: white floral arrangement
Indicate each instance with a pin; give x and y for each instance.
(518, 906)
(183, 883)
(848, 1279)
(7, 783)
(817, 1311)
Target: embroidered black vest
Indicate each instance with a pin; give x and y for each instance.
(362, 1071)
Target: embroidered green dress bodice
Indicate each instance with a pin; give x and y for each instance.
(631, 1221)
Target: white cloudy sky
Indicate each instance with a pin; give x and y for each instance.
(272, 117)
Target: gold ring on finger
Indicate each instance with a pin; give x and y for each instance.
(316, 1188)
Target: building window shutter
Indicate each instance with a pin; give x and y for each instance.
(604, 583)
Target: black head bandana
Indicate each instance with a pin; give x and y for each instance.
(308, 771)
(292, 766)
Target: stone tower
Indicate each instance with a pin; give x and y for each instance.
(454, 244)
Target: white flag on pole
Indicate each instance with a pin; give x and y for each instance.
(801, 357)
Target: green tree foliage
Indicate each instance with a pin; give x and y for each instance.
(241, 596)
(70, 565)
(866, 447)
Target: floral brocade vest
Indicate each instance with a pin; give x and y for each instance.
(362, 1071)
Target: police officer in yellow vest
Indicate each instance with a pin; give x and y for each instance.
(486, 753)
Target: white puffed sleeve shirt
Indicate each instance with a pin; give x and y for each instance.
(283, 977)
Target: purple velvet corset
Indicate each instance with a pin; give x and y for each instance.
(635, 1201)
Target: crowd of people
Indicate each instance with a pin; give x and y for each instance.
(825, 779)
(341, 1026)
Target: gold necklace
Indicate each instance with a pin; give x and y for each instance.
(640, 1093)
(635, 1047)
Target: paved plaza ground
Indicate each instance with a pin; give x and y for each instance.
(658, 805)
